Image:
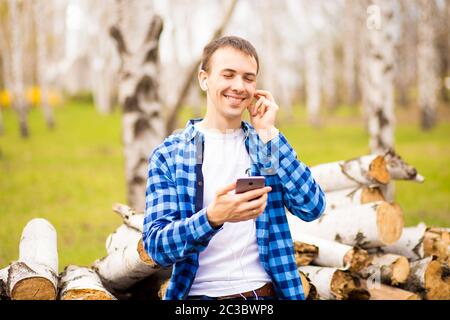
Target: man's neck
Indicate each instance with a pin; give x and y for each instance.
(220, 123)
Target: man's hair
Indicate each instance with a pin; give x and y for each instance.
(228, 41)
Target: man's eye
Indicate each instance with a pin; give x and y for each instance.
(228, 76)
(249, 79)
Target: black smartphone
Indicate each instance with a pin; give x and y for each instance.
(250, 183)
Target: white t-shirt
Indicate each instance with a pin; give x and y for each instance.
(230, 264)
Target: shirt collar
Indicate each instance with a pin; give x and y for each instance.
(190, 131)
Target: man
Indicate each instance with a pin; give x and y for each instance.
(222, 244)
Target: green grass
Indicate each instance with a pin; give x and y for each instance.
(72, 175)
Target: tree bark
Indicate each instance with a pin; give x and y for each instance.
(335, 284)
(363, 171)
(380, 82)
(81, 283)
(137, 39)
(334, 254)
(35, 275)
(130, 217)
(419, 242)
(366, 226)
(3, 281)
(353, 197)
(391, 269)
(121, 238)
(120, 269)
(427, 62)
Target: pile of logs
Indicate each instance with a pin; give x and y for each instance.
(358, 248)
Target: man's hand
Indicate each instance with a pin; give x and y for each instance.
(228, 207)
(263, 114)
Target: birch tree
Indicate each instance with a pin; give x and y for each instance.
(427, 61)
(350, 46)
(41, 14)
(380, 46)
(137, 39)
(18, 88)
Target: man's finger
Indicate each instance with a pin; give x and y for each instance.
(257, 106)
(227, 189)
(252, 194)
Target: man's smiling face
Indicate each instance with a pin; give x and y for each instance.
(231, 81)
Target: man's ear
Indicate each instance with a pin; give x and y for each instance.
(202, 76)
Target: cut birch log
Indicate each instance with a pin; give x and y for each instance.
(309, 289)
(391, 269)
(379, 291)
(335, 284)
(366, 226)
(130, 217)
(121, 269)
(3, 280)
(352, 197)
(335, 254)
(304, 253)
(419, 242)
(162, 290)
(429, 279)
(82, 283)
(35, 275)
(122, 237)
(366, 170)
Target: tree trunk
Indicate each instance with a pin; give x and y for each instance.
(427, 279)
(121, 238)
(380, 291)
(353, 197)
(81, 283)
(350, 52)
(380, 81)
(367, 226)
(335, 284)
(40, 8)
(137, 39)
(18, 91)
(362, 171)
(420, 242)
(304, 253)
(334, 254)
(35, 275)
(130, 217)
(313, 87)
(391, 269)
(427, 61)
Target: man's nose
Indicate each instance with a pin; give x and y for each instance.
(238, 84)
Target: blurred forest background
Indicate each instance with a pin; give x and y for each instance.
(89, 88)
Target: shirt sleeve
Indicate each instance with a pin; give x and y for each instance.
(302, 195)
(167, 237)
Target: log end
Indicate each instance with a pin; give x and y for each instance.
(400, 271)
(378, 170)
(357, 259)
(34, 288)
(305, 283)
(344, 286)
(390, 222)
(435, 286)
(86, 294)
(144, 256)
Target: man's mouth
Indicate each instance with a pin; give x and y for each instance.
(233, 99)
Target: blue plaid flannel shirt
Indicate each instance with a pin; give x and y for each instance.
(176, 228)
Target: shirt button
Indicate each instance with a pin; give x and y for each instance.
(270, 171)
(200, 183)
